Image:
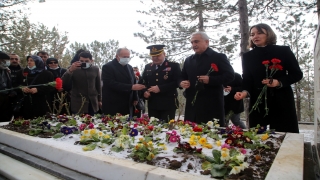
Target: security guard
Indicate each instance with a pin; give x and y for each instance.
(161, 77)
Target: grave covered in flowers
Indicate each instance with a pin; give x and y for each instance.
(203, 150)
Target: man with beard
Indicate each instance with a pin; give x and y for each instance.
(204, 86)
(86, 85)
(14, 68)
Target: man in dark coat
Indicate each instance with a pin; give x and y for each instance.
(232, 107)
(205, 102)
(119, 91)
(15, 67)
(5, 83)
(86, 85)
(162, 80)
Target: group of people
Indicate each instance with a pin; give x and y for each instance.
(212, 89)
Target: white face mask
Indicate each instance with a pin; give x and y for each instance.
(87, 66)
(31, 68)
(124, 61)
(54, 68)
(7, 64)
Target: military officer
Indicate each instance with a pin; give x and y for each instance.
(161, 77)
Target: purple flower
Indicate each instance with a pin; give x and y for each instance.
(133, 132)
(66, 130)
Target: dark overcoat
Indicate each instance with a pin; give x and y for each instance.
(209, 103)
(85, 83)
(230, 104)
(35, 105)
(117, 94)
(166, 77)
(280, 101)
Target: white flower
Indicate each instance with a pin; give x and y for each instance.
(152, 119)
(240, 157)
(210, 124)
(235, 170)
(225, 156)
(243, 166)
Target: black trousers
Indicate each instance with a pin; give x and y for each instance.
(165, 115)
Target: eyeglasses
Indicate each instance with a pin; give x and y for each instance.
(14, 59)
(52, 63)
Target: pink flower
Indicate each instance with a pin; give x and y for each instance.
(82, 126)
(225, 145)
(173, 139)
(91, 126)
(243, 151)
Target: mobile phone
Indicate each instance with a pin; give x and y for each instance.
(83, 65)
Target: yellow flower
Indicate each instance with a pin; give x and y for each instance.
(171, 121)
(86, 132)
(141, 139)
(209, 146)
(150, 143)
(82, 137)
(100, 133)
(192, 137)
(218, 143)
(264, 137)
(137, 146)
(163, 146)
(202, 141)
(92, 131)
(192, 143)
(106, 136)
(151, 155)
(225, 156)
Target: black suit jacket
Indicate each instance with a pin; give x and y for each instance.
(210, 102)
(166, 77)
(117, 94)
(230, 104)
(280, 101)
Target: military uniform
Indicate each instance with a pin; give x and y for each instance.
(162, 105)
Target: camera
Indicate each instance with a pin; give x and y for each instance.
(83, 65)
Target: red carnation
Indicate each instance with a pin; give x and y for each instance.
(275, 61)
(137, 73)
(58, 83)
(278, 66)
(214, 67)
(265, 62)
(197, 129)
(150, 128)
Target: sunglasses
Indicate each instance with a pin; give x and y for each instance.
(52, 63)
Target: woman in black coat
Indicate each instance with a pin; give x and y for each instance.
(57, 71)
(281, 115)
(34, 104)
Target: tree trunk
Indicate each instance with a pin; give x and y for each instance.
(244, 31)
(298, 100)
(318, 8)
(200, 15)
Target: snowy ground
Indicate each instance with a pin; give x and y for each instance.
(308, 131)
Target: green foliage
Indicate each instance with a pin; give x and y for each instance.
(102, 52)
(58, 135)
(90, 147)
(34, 132)
(27, 38)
